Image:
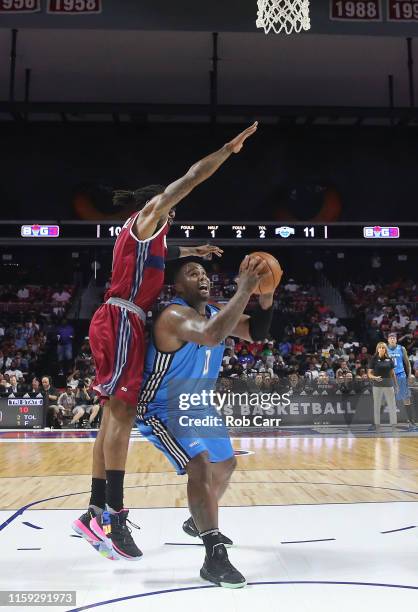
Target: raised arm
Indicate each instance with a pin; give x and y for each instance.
(178, 252)
(179, 324)
(158, 208)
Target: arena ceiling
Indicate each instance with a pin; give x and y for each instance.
(165, 73)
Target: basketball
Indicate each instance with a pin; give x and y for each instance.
(273, 275)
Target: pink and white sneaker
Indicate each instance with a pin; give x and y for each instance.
(82, 528)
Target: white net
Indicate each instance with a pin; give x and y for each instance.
(288, 15)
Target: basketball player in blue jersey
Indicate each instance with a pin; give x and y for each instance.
(403, 374)
(185, 355)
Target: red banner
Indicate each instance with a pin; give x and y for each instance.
(402, 10)
(356, 10)
(20, 6)
(74, 7)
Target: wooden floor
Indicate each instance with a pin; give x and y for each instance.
(280, 471)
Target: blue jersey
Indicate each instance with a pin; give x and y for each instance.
(397, 357)
(170, 379)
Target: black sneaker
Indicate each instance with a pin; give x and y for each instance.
(190, 528)
(112, 529)
(82, 527)
(219, 570)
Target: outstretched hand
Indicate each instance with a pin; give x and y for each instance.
(208, 249)
(236, 144)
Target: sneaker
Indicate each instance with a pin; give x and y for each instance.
(82, 527)
(112, 529)
(190, 528)
(372, 428)
(219, 570)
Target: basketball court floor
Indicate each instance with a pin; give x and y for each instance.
(317, 522)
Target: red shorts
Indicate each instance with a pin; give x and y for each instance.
(117, 341)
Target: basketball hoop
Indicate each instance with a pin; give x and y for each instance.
(288, 15)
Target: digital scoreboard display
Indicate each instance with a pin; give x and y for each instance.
(21, 413)
(106, 233)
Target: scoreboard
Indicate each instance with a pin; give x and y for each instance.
(374, 10)
(221, 232)
(21, 413)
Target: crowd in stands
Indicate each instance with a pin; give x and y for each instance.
(36, 338)
(315, 352)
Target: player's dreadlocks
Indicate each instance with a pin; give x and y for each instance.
(138, 198)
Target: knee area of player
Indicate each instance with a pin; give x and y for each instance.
(120, 411)
(199, 467)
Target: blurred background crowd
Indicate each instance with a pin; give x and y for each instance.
(44, 350)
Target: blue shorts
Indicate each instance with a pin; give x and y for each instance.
(185, 441)
(404, 392)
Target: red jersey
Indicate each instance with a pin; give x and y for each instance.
(138, 266)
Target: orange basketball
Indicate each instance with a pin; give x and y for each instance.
(273, 275)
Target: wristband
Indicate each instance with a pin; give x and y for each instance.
(260, 322)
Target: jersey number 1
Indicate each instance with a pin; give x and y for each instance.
(207, 359)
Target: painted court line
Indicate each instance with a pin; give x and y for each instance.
(401, 529)
(276, 583)
(31, 525)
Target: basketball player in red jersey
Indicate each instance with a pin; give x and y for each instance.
(118, 345)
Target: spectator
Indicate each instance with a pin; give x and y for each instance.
(340, 330)
(342, 371)
(86, 404)
(50, 396)
(295, 384)
(285, 347)
(370, 287)
(298, 348)
(61, 296)
(15, 389)
(35, 390)
(13, 370)
(246, 359)
(227, 361)
(84, 360)
(332, 319)
(4, 386)
(73, 379)
(65, 335)
(230, 342)
(291, 286)
(301, 330)
(324, 384)
(311, 373)
(68, 408)
(23, 293)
